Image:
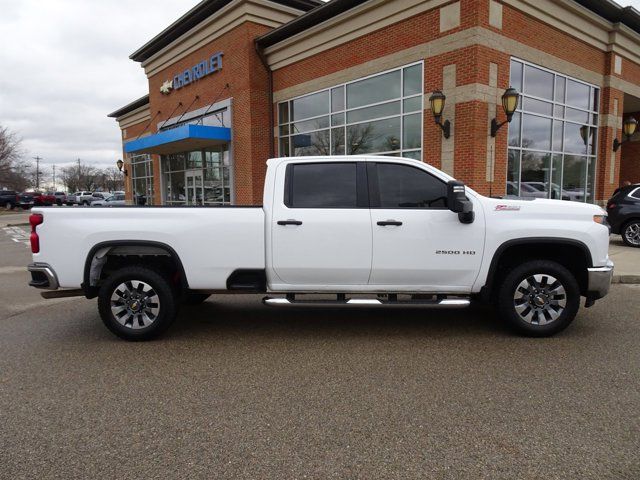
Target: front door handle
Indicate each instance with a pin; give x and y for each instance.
(289, 222)
(389, 223)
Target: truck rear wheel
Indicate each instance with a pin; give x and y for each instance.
(539, 298)
(137, 303)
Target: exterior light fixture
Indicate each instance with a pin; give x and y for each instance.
(628, 129)
(437, 101)
(510, 99)
(120, 165)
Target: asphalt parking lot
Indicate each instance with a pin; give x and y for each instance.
(239, 390)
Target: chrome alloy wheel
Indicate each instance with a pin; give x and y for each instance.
(135, 304)
(540, 299)
(632, 234)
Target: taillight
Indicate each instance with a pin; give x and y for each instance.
(611, 205)
(35, 219)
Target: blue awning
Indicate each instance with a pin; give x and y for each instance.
(185, 138)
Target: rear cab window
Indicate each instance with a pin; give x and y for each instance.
(326, 185)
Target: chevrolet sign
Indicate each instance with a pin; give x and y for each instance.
(206, 67)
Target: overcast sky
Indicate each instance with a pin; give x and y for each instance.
(64, 65)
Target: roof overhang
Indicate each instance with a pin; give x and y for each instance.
(185, 138)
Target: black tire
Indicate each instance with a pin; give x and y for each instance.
(628, 236)
(9, 206)
(85, 203)
(539, 320)
(163, 297)
(195, 298)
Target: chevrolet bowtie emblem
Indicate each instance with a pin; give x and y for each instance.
(166, 87)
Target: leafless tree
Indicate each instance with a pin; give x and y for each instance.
(14, 171)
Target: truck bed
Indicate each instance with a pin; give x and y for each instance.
(211, 242)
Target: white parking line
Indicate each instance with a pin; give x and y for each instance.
(18, 235)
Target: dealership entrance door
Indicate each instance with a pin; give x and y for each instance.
(194, 187)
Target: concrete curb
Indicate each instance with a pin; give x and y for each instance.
(626, 279)
(17, 224)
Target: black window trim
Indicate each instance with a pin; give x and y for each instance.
(362, 193)
(374, 190)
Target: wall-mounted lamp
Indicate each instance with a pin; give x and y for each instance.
(437, 101)
(510, 99)
(120, 165)
(628, 129)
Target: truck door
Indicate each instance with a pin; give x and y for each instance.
(321, 225)
(418, 243)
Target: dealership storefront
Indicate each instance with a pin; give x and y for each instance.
(234, 82)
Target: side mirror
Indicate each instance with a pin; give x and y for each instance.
(458, 202)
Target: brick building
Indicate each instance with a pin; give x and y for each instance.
(234, 82)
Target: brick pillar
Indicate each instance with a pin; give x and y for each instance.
(608, 163)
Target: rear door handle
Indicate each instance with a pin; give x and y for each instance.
(388, 223)
(289, 222)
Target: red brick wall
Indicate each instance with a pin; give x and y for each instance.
(630, 157)
(248, 88)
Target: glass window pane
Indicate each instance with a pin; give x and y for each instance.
(284, 147)
(514, 130)
(558, 111)
(309, 125)
(284, 112)
(284, 130)
(337, 119)
(536, 132)
(535, 174)
(379, 136)
(574, 176)
(577, 115)
(412, 80)
(402, 186)
(595, 97)
(414, 154)
(337, 99)
(557, 135)
(412, 104)
(537, 82)
(369, 113)
(337, 141)
(537, 106)
(328, 185)
(556, 177)
(310, 106)
(373, 90)
(516, 75)
(194, 160)
(578, 94)
(513, 173)
(592, 142)
(315, 143)
(573, 138)
(560, 89)
(412, 131)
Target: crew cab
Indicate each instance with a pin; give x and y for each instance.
(363, 231)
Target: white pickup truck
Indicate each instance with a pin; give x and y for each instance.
(362, 231)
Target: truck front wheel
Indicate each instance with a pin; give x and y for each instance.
(539, 298)
(137, 303)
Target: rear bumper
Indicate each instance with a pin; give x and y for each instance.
(43, 276)
(599, 280)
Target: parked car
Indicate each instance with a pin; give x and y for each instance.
(8, 199)
(370, 231)
(25, 200)
(623, 210)
(99, 197)
(43, 199)
(61, 198)
(83, 198)
(112, 201)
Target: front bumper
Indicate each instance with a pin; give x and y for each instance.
(43, 276)
(599, 280)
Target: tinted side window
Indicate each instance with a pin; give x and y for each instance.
(635, 194)
(322, 185)
(402, 186)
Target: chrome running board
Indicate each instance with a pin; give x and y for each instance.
(290, 301)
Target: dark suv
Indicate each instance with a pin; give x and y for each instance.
(624, 214)
(8, 199)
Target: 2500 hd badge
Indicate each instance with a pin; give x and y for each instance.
(455, 252)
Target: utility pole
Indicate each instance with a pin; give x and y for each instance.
(37, 159)
(54, 177)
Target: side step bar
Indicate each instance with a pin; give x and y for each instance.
(290, 300)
